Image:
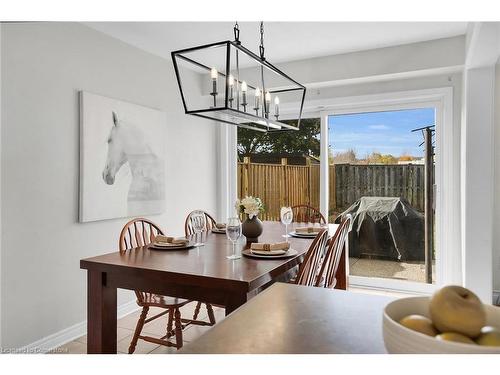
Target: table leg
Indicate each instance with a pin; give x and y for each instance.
(101, 314)
(234, 301)
(341, 275)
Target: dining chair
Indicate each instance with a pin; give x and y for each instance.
(331, 261)
(141, 232)
(303, 213)
(189, 230)
(308, 269)
(188, 225)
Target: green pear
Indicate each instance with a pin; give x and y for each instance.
(457, 309)
(455, 337)
(490, 336)
(420, 324)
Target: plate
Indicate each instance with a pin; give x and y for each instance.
(219, 231)
(189, 245)
(288, 254)
(303, 235)
(268, 253)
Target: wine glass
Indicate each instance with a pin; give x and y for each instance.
(233, 232)
(198, 222)
(286, 218)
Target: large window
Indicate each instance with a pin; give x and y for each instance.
(377, 175)
(281, 168)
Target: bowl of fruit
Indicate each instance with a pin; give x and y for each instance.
(452, 321)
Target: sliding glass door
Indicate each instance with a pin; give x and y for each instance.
(377, 174)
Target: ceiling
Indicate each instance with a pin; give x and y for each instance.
(284, 41)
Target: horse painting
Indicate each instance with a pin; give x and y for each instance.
(128, 144)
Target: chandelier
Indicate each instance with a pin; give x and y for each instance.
(228, 83)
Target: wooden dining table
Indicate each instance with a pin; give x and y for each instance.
(296, 319)
(202, 274)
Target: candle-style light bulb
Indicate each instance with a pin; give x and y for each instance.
(268, 103)
(214, 73)
(230, 81)
(257, 101)
(276, 107)
(244, 89)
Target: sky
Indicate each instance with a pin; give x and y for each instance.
(384, 132)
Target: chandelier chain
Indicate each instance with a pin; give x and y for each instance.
(236, 30)
(261, 47)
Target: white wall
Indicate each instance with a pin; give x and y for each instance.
(477, 180)
(479, 158)
(496, 188)
(43, 67)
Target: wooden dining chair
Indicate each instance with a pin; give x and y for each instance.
(304, 213)
(189, 230)
(188, 225)
(309, 268)
(141, 232)
(327, 276)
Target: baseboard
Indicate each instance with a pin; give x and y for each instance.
(71, 333)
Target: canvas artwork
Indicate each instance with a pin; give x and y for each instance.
(122, 165)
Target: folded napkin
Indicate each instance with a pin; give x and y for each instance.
(165, 241)
(270, 246)
(307, 230)
(220, 226)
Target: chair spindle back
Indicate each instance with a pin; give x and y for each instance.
(138, 232)
(308, 269)
(331, 262)
(304, 213)
(188, 225)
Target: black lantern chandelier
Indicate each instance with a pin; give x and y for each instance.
(226, 82)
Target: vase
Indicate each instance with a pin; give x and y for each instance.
(252, 229)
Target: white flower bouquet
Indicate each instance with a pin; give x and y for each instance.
(250, 206)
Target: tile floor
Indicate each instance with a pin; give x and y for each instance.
(156, 328)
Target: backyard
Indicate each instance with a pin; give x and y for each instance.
(284, 184)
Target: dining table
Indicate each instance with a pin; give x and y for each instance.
(202, 273)
(296, 319)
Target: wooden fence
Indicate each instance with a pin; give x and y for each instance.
(281, 184)
(353, 181)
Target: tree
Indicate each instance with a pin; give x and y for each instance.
(378, 158)
(348, 156)
(388, 159)
(250, 141)
(304, 141)
(405, 157)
